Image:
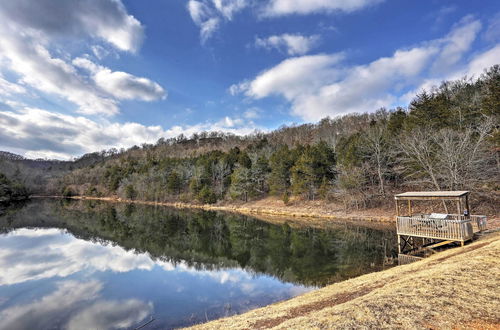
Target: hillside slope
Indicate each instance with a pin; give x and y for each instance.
(456, 289)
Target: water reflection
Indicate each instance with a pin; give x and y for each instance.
(75, 305)
(83, 265)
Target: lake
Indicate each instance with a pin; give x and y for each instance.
(68, 264)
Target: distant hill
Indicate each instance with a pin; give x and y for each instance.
(447, 138)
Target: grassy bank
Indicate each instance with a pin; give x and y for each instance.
(455, 289)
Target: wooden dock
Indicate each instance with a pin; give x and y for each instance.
(419, 232)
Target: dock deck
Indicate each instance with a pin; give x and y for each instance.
(424, 232)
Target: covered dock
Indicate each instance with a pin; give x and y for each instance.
(417, 231)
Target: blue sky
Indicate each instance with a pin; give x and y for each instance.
(79, 76)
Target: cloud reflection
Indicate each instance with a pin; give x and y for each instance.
(111, 315)
(27, 254)
(57, 310)
(48, 311)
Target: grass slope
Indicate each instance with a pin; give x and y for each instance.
(455, 289)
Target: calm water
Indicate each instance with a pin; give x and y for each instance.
(95, 265)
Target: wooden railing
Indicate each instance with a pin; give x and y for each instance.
(478, 221)
(423, 226)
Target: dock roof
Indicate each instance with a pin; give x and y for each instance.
(432, 194)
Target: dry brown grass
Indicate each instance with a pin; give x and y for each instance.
(455, 289)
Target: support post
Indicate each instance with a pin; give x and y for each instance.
(459, 207)
(399, 244)
(467, 204)
(409, 208)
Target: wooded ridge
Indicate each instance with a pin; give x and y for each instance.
(446, 139)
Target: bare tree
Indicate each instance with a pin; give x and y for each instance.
(418, 152)
(449, 158)
(221, 170)
(377, 148)
(462, 159)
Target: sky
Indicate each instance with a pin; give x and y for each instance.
(79, 76)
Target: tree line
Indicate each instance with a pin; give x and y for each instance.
(447, 138)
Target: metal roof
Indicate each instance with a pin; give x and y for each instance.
(436, 194)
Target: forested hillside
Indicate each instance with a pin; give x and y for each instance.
(10, 191)
(446, 139)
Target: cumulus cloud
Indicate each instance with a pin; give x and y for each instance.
(321, 85)
(38, 133)
(292, 44)
(208, 15)
(288, 7)
(294, 76)
(105, 19)
(39, 69)
(120, 84)
(32, 46)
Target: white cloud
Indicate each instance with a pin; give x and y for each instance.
(292, 44)
(8, 88)
(32, 46)
(208, 15)
(204, 17)
(252, 113)
(26, 56)
(456, 44)
(229, 7)
(320, 85)
(480, 62)
(105, 19)
(100, 52)
(38, 133)
(122, 85)
(287, 7)
(236, 89)
(294, 76)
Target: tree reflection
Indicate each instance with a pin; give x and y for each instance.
(211, 240)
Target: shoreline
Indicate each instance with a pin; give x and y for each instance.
(458, 282)
(270, 214)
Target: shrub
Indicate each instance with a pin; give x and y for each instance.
(207, 196)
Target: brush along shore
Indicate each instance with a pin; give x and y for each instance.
(455, 289)
(268, 209)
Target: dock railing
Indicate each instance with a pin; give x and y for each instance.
(478, 221)
(445, 229)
